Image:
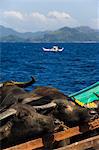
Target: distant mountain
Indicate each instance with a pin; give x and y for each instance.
(66, 34)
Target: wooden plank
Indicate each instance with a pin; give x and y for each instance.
(67, 133)
(84, 144)
(37, 143)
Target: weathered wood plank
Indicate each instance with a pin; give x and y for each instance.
(84, 144)
(28, 145)
(67, 133)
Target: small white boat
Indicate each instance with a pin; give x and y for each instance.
(53, 49)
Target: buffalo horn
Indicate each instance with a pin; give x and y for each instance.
(46, 106)
(1, 84)
(30, 99)
(7, 113)
(24, 84)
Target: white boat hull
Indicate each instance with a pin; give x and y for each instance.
(52, 50)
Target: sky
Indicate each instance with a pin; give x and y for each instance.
(41, 15)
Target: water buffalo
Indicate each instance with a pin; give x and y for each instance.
(62, 108)
(48, 101)
(12, 92)
(23, 123)
(61, 105)
(66, 111)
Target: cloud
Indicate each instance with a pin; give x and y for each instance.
(14, 14)
(94, 23)
(35, 21)
(37, 15)
(59, 15)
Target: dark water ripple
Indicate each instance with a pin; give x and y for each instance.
(71, 70)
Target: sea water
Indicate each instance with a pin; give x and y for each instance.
(71, 70)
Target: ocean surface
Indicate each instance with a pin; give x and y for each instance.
(70, 70)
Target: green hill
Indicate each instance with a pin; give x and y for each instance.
(66, 34)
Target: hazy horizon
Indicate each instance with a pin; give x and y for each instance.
(46, 30)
